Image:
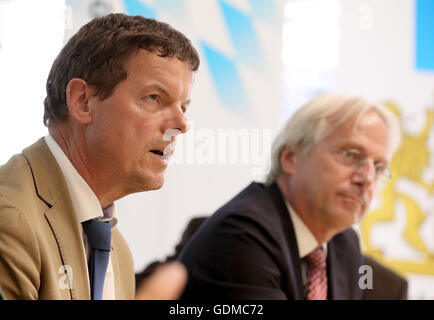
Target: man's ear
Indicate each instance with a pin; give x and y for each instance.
(78, 93)
(288, 160)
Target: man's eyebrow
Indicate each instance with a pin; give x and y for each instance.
(164, 91)
(362, 149)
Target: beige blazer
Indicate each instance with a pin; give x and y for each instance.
(41, 251)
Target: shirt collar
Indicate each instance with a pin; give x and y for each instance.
(84, 200)
(306, 241)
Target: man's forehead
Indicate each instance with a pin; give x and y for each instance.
(370, 117)
(352, 123)
(158, 55)
(152, 66)
(368, 132)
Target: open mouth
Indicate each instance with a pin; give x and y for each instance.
(158, 152)
(164, 152)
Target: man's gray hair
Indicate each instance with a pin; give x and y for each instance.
(315, 120)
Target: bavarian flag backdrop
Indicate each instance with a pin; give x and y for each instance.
(260, 61)
(387, 55)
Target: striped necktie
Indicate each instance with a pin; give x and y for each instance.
(316, 275)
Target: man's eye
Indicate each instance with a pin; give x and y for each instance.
(154, 97)
(352, 155)
(380, 168)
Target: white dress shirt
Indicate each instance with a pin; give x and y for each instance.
(86, 206)
(306, 241)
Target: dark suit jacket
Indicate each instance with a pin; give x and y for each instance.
(248, 250)
(386, 284)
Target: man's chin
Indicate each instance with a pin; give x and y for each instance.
(149, 184)
(156, 184)
(354, 210)
(347, 219)
(355, 217)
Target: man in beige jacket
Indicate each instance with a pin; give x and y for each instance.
(116, 98)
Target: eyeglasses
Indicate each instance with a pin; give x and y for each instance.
(355, 159)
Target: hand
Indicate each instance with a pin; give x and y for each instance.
(167, 282)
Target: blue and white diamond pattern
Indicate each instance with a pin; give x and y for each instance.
(223, 58)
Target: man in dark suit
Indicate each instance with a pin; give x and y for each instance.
(290, 238)
(386, 284)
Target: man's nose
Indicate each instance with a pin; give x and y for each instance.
(176, 121)
(365, 174)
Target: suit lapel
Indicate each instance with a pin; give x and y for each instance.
(335, 275)
(343, 261)
(295, 284)
(295, 267)
(51, 188)
(68, 238)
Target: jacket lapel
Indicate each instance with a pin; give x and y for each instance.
(51, 188)
(335, 277)
(343, 261)
(295, 285)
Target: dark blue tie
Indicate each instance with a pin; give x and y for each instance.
(98, 235)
